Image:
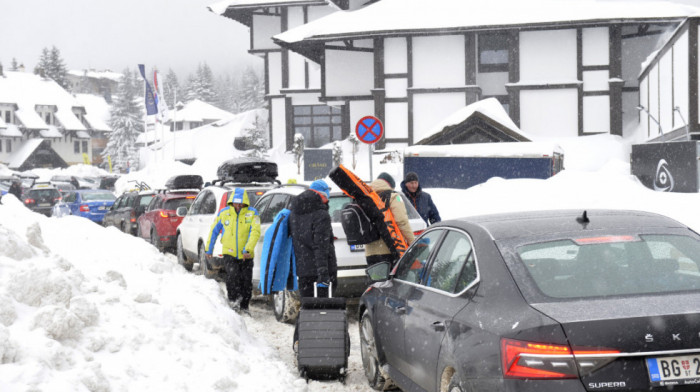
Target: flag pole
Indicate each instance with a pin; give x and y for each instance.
(174, 124)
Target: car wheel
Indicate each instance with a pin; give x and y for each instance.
(155, 241)
(123, 228)
(285, 305)
(454, 385)
(203, 264)
(181, 258)
(370, 359)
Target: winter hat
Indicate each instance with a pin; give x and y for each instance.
(411, 176)
(388, 178)
(321, 186)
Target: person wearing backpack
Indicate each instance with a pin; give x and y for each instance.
(312, 239)
(378, 251)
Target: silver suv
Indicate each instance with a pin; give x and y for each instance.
(351, 259)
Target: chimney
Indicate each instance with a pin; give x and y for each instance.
(21, 68)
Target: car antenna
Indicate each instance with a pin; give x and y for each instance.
(583, 219)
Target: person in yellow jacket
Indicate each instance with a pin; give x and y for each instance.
(239, 226)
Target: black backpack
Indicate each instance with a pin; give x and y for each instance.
(358, 227)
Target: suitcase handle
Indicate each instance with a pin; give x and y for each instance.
(330, 290)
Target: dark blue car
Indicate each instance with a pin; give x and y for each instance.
(88, 203)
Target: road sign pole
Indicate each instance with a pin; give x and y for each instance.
(371, 152)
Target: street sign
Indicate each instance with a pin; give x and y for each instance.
(369, 129)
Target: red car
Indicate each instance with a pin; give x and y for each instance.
(158, 224)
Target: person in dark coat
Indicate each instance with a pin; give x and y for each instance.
(312, 239)
(420, 200)
(16, 189)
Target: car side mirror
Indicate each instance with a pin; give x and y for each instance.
(181, 211)
(378, 272)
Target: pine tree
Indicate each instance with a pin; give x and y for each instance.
(256, 136)
(206, 84)
(225, 87)
(126, 122)
(355, 147)
(42, 67)
(337, 153)
(252, 93)
(57, 68)
(13, 65)
(298, 150)
(171, 89)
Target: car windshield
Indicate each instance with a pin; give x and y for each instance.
(101, 196)
(44, 193)
(611, 265)
(174, 204)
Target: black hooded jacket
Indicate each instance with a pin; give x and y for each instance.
(312, 237)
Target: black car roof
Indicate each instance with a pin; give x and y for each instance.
(538, 223)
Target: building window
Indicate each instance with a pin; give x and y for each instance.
(47, 118)
(0, 145)
(493, 52)
(85, 146)
(8, 146)
(8, 117)
(76, 147)
(320, 124)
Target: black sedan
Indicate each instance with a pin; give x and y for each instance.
(539, 301)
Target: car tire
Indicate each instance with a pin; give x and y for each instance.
(181, 258)
(454, 385)
(204, 264)
(370, 358)
(155, 240)
(123, 228)
(285, 305)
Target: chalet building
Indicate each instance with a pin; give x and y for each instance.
(195, 114)
(559, 68)
(668, 88)
(35, 108)
(90, 81)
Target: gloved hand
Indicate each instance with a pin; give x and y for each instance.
(323, 280)
(322, 284)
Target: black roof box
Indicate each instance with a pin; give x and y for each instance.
(247, 170)
(185, 181)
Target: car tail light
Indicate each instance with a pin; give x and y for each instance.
(57, 199)
(259, 193)
(29, 201)
(190, 197)
(133, 216)
(224, 198)
(164, 214)
(84, 208)
(530, 360)
(417, 233)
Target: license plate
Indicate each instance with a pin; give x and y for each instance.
(357, 248)
(101, 208)
(681, 370)
(44, 204)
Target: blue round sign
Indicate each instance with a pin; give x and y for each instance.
(369, 129)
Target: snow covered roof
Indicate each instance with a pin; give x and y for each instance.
(199, 111)
(82, 135)
(51, 132)
(221, 6)
(10, 130)
(489, 107)
(91, 73)
(27, 90)
(392, 17)
(490, 150)
(97, 111)
(22, 154)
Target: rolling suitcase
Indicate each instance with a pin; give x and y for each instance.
(323, 339)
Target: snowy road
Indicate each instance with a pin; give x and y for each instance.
(278, 335)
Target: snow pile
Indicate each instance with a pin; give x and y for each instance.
(84, 308)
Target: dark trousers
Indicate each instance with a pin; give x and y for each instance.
(239, 279)
(306, 287)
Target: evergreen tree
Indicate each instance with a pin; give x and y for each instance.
(126, 122)
(57, 68)
(201, 86)
(256, 136)
(42, 67)
(225, 88)
(13, 65)
(171, 89)
(337, 153)
(355, 147)
(298, 150)
(252, 92)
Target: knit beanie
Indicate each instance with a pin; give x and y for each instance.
(388, 178)
(321, 186)
(411, 176)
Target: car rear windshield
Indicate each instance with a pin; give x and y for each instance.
(101, 196)
(44, 193)
(174, 204)
(610, 265)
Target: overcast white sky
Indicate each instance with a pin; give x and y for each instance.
(114, 34)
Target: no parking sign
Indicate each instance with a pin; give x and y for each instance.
(369, 129)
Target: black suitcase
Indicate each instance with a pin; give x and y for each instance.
(324, 342)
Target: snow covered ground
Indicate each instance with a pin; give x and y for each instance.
(84, 308)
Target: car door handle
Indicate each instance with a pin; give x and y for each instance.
(438, 326)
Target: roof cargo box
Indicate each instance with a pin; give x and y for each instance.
(185, 181)
(247, 170)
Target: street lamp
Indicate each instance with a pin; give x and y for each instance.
(687, 131)
(642, 108)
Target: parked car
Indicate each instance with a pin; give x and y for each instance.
(107, 182)
(351, 259)
(192, 233)
(41, 198)
(126, 210)
(538, 301)
(87, 203)
(158, 224)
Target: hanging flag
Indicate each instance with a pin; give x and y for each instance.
(160, 98)
(151, 107)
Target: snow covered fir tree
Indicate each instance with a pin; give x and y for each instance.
(52, 66)
(126, 123)
(256, 136)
